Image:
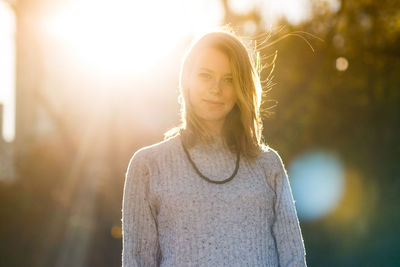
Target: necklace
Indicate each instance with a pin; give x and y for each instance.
(205, 177)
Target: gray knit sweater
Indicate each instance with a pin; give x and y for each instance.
(172, 217)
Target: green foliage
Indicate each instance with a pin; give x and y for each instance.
(354, 112)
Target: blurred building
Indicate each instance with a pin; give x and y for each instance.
(7, 167)
(29, 79)
(54, 124)
(7, 82)
(21, 64)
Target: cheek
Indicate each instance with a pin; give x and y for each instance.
(194, 90)
(194, 97)
(231, 97)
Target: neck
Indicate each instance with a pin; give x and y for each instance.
(213, 128)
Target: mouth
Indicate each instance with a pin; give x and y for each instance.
(213, 102)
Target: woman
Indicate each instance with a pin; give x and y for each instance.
(212, 194)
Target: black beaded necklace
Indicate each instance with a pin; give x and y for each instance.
(205, 177)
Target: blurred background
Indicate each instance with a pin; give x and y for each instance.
(84, 84)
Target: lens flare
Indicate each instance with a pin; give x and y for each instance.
(317, 180)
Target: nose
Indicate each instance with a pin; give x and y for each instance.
(215, 87)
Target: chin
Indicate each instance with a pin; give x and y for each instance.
(213, 118)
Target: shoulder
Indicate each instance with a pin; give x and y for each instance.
(145, 159)
(273, 165)
(154, 151)
(270, 155)
(271, 161)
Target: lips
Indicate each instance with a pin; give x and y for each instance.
(217, 103)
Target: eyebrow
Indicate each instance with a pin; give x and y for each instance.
(208, 70)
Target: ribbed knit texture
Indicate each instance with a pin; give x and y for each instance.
(172, 217)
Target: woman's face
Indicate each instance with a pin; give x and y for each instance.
(211, 89)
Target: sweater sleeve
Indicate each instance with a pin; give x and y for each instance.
(139, 226)
(286, 227)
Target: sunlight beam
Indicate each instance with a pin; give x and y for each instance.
(128, 36)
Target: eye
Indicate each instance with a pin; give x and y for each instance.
(204, 75)
(228, 80)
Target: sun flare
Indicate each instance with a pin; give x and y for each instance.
(128, 36)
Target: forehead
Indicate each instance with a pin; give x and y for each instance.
(213, 59)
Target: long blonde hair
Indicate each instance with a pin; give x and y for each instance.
(243, 125)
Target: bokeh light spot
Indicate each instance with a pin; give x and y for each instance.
(116, 231)
(342, 64)
(317, 180)
(338, 41)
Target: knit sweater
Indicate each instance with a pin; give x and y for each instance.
(173, 217)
